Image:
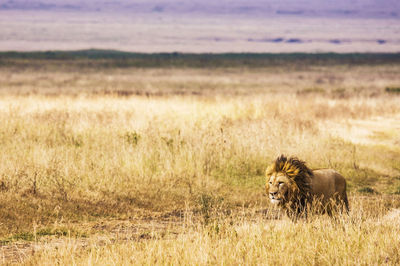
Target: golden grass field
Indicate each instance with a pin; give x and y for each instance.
(120, 166)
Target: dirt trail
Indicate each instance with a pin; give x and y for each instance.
(392, 216)
(374, 131)
(104, 232)
(108, 232)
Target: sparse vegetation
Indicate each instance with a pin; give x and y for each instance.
(118, 59)
(166, 165)
(393, 89)
(240, 240)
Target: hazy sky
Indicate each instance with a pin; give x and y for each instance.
(363, 8)
(201, 25)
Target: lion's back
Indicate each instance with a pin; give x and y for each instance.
(328, 183)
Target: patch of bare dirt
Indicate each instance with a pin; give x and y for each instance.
(392, 216)
(102, 233)
(375, 131)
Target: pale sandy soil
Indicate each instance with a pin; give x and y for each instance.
(375, 131)
(378, 131)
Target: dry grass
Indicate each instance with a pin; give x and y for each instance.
(367, 236)
(76, 160)
(102, 77)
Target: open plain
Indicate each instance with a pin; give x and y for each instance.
(161, 160)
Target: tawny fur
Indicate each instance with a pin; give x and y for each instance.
(295, 187)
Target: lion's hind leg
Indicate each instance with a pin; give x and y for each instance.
(346, 203)
(340, 203)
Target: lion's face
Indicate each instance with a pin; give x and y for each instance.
(279, 188)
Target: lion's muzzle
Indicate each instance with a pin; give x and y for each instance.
(275, 201)
(273, 196)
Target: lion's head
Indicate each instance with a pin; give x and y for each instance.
(288, 181)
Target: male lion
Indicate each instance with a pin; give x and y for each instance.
(295, 187)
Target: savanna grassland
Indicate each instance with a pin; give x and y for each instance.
(115, 159)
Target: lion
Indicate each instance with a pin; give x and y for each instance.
(294, 187)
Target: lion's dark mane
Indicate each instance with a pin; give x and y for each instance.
(300, 173)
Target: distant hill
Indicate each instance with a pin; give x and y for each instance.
(337, 8)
